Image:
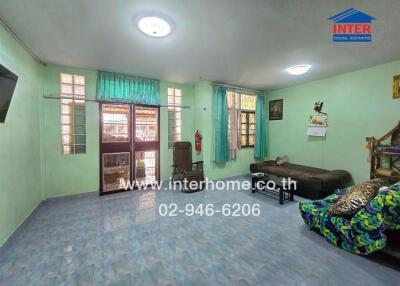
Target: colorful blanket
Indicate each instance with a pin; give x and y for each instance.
(363, 233)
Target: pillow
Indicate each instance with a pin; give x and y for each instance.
(357, 198)
(281, 160)
(384, 189)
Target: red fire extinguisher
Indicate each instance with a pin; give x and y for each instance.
(197, 141)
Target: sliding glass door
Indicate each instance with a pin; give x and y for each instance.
(129, 146)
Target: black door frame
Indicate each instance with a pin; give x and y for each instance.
(131, 146)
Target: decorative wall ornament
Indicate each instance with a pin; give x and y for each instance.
(396, 87)
(318, 107)
(276, 109)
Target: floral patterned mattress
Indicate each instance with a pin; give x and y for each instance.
(364, 233)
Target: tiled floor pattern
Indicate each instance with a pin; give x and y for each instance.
(121, 240)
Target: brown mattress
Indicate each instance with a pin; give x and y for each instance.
(314, 183)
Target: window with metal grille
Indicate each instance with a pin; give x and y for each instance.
(174, 116)
(241, 118)
(247, 121)
(73, 115)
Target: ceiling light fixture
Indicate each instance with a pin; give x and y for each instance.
(154, 26)
(298, 70)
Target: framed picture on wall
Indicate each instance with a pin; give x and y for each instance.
(276, 109)
(396, 86)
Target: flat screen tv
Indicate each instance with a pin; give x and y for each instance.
(8, 80)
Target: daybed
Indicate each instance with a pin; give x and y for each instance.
(313, 183)
(363, 233)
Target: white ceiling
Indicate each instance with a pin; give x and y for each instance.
(242, 42)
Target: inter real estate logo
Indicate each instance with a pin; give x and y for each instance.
(351, 25)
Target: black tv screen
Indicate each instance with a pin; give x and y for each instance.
(8, 80)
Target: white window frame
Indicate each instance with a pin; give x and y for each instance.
(72, 94)
(174, 115)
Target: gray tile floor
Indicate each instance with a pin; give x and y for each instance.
(121, 240)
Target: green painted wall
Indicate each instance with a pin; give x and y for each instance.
(74, 174)
(203, 110)
(20, 177)
(359, 104)
(187, 127)
(69, 174)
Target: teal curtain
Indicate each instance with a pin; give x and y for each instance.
(260, 146)
(128, 89)
(221, 144)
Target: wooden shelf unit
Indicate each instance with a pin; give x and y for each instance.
(380, 155)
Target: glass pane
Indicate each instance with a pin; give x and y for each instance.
(146, 124)
(170, 91)
(251, 131)
(80, 149)
(171, 106)
(244, 128)
(251, 140)
(146, 167)
(79, 89)
(252, 118)
(65, 109)
(79, 79)
(243, 140)
(79, 110)
(248, 102)
(80, 129)
(171, 123)
(178, 101)
(66, 119)
(243, 117)
(66, 78)
(116, 170)
(67, 149)
(80, 139)
(115, 123)
(67, 139)
(178, 92)
(79, 120)
(66, 129)
(66, 89)
(171, 135)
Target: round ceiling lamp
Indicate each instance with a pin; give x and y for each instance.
(154, 25)
(299, 69)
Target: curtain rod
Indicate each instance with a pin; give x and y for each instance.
(114, 102)
(19, 41)
(235, 87)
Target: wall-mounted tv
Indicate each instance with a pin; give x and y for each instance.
(8, 80)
